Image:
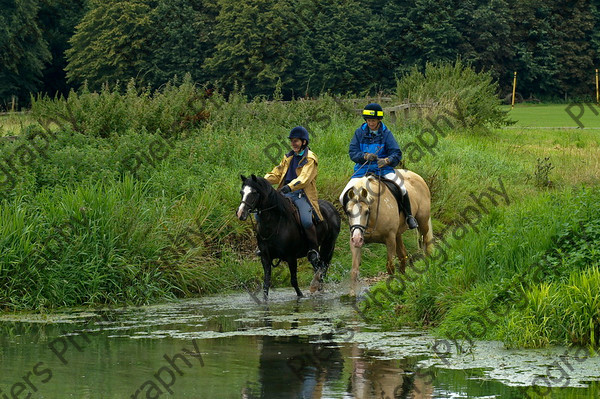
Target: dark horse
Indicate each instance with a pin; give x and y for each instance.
(280, 236)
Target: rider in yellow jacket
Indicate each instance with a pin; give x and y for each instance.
(296, 179)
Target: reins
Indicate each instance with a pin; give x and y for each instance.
(365, 228)
(255, 226)
(378, 201)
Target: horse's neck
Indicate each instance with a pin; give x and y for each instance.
(379, 192)
(272, 207)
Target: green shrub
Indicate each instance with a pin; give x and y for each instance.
(454, 89)
(170, 110)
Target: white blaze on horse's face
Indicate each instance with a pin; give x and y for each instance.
(242, 212)
(358, 215)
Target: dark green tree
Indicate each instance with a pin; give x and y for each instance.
(421, 31)
(485, 30)
(339, 50)
(58, 19)
(573, 24)
(536, 54)
(254, 45)
(23, 50)
(111, 43)
(181, 39)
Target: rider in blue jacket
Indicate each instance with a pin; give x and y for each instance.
(375, 150)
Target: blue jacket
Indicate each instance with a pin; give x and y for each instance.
(383, 144)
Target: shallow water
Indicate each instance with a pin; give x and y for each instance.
(235, 347)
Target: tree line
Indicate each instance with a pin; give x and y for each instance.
(296, 48)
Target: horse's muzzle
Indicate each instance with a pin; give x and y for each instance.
(357, 238)
(241, 213)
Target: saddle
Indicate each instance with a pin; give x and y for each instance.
(294, 212)
(394, 189)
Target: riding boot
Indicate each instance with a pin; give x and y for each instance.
(410, 220)
(313, 247)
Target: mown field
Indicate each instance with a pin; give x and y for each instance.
(575, 115)
(127, 197)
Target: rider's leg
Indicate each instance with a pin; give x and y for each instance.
(410, 220)
(397, 178)
(310, 231)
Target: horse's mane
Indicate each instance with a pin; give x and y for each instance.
(365, 182)
(272, 196)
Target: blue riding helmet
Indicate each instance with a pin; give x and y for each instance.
(299, 132)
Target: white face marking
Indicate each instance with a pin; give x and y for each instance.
(355, 214)
(358, 217)
(246, 191)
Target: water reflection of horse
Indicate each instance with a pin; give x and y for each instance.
(294, 367)
(374, 216)
(375, 378)
(280, 236)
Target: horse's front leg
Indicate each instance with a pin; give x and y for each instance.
(401, 253)
(356, 258)
(316, 283)
(266, 262)
(390, 243)
(293, 265)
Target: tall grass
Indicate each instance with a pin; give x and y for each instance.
(559, 313)
(170, 111)
(83, 225)
(547, 247)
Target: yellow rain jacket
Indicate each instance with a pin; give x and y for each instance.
(307, 176)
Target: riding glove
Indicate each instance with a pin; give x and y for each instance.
(381, 162)
(370, 156)
(285, 189)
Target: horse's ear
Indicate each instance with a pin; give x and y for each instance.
(243, 177)
(350, 193)
(253, 177)
(364, 193)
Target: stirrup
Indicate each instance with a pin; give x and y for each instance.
(412, 222)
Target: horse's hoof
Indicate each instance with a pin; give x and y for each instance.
(314, 288)
(315, 284)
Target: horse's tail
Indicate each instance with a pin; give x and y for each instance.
(333, 221)
(426, 239)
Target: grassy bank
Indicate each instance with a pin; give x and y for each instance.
(100, 210)
(130, 198)
(528, 274)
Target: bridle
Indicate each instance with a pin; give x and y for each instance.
(363, 229)
(252, 209)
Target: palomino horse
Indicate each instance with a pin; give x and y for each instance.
(374, 216)
(280, 236)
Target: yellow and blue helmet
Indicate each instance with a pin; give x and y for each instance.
(373, 110)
